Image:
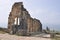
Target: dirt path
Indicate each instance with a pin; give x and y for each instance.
(14, 37)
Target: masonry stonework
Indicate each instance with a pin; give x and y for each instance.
(20, 21)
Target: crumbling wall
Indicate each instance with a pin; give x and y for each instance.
(20, 20)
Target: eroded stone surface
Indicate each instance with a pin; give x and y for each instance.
(20, 21)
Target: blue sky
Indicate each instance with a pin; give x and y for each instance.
(47, 11)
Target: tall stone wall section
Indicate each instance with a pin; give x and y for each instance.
(25, 23)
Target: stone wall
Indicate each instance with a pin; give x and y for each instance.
(19, 19)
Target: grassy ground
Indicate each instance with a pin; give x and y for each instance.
(2, 32)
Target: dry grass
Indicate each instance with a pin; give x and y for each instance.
(2, 32)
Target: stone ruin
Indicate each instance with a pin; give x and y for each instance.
(20, 21)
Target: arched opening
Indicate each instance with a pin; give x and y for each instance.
(16, 22)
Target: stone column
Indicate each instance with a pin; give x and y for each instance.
(17, 21)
